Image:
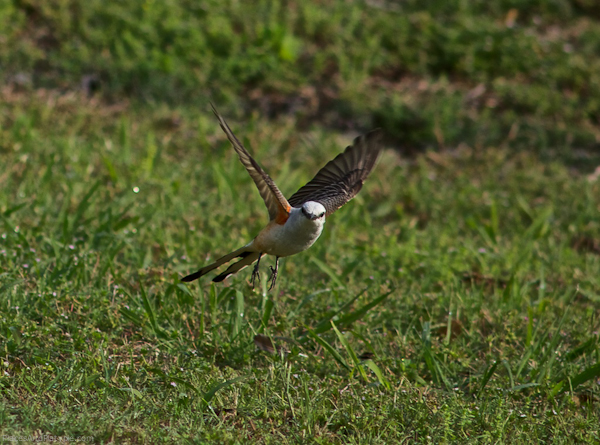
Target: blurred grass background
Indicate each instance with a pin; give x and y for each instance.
(462, 283)
(432, 74)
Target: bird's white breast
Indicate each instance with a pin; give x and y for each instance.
(297, 234)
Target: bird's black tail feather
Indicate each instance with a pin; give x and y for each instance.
(240, 253)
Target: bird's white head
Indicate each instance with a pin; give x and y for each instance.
(313, 210)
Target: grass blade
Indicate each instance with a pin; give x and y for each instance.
(237, 315)
(336, 355)
(268, 309)
(380, 377)
(82, 207)
(487, 376)
(523, 386)
(150, 313)
(168, 379)
(210, 394)
(350, 352)
(329, 272)
(325, 324)
(360, 313)
(589, 373)
(348, 319)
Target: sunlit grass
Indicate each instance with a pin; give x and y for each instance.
(446, 298)
(454, 300)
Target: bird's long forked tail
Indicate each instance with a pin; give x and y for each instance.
(236, 267)
(243, 253)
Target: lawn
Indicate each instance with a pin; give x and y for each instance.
(456, 299)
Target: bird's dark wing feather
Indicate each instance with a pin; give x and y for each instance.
(274, 200)
(342, 178)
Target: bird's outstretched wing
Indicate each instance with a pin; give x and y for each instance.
(279, 208)
(342, 178)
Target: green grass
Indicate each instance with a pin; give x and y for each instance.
(454, 300)
(433, 74)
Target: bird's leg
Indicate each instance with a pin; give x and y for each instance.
(274, 273)
(256, 273)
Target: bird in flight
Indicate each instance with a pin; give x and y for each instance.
(296, 223)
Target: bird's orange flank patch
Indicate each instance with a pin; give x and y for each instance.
(283, 216)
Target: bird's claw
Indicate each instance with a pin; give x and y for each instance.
(273, 278)
(255, 276)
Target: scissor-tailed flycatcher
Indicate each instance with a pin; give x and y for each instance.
(295, 224)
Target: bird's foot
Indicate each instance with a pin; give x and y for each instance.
(273, 278)
(255, 276)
